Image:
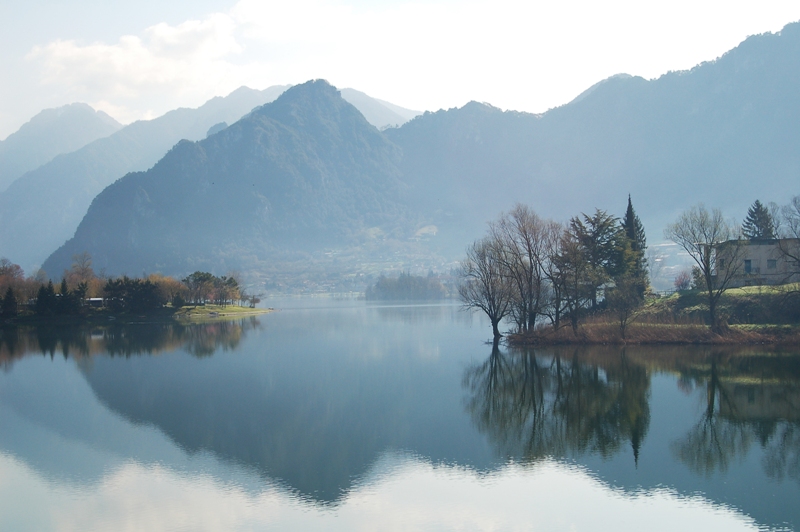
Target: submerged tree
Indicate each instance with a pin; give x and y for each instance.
(523, 237)
(759, 223)
(483, 283)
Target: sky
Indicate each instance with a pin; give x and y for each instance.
(138, 60)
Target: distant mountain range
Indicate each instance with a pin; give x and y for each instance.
(303, 173)
(50, 133)
(60, 191)
(328, 186)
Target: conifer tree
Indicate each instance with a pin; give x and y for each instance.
(758, 225)
(634, 229)
(9, 304)
(637, 244)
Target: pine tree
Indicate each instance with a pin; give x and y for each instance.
(759, 224)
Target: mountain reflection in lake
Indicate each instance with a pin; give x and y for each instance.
(343, 415)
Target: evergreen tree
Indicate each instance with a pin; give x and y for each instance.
(46, 299)
(634, 229)
(759, 224)
(9, 304)
(635, 263)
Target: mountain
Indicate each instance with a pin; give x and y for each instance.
(304, 173)
(724, 133)
(41, 209)
(379, 113)
(49, 133)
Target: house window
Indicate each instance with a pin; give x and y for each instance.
(748, 266)
(772, 264)
(721, 264)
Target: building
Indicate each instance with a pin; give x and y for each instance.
(760, 262)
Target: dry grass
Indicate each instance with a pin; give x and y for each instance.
(604, 329)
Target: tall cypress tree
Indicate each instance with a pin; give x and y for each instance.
(636, 244)
(634, 229)
(759, 224)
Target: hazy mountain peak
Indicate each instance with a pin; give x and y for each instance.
(304, 171)
(51, 132)
(602, 83)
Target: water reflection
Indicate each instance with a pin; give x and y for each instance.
(123, 340)
(557, 404)
(576, 402)
(308, 407)
(748, 399)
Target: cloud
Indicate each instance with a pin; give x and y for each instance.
(190, 61)
(422, 55)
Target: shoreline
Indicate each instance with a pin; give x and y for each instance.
(674, 334)
(200, 314)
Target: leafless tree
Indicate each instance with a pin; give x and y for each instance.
(484, 284)
(521, 233)
(552, 238)
(714, 245)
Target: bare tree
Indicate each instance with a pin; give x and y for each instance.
(484, 285)
(521, 233)
(714, 245)
(553, 275)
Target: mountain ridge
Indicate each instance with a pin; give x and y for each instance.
(49, 133)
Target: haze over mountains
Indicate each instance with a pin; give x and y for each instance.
(325, 185)
(49, 133)
(61, 190)
(302, 173)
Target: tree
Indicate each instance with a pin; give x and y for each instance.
(759, 223)
(624, 300)
(200, 285)
(715, 247)
(573, 275)
(484, 285)
(553, 239)
(683, 281)
(46, 299)
(600, 237)
(8, 308)
(522, 235)
(636, 263)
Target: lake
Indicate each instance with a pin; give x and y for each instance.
(345, 415)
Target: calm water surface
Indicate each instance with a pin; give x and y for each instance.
(339, 415)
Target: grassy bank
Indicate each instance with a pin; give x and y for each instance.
(203, 313)
(749, 315)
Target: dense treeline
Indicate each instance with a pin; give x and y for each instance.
(532, 270)
(406, 287)
(81, 289)
(535, 272)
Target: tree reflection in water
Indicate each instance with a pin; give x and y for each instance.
(748, 399)
(533, 405)
(561, 403)
(199, 339)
